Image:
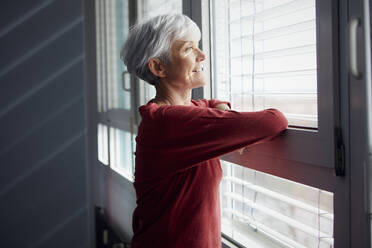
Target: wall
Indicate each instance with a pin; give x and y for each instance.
(43, 176)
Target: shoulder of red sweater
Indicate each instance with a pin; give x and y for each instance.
(200, 102)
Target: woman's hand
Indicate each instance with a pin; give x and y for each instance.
(222, 106)
(241, 150)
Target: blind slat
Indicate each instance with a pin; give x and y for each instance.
(280, 52)
(295, 73)
(280, 31)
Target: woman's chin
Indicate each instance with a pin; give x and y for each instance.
(199, 84)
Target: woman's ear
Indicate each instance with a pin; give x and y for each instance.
(157, 67)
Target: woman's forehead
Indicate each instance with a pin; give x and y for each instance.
(192, 34)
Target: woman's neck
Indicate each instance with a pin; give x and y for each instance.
(172, 96)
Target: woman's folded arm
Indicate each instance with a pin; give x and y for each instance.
(192, 134)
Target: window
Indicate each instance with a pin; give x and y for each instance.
(121, 147)
(112, 28)
(114, 93)
(102, 139)
(158, 7)
(266, 56)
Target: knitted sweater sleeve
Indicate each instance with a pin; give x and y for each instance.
(188, 135)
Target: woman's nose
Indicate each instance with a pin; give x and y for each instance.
(201, 56)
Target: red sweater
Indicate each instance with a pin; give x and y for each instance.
(178, 172)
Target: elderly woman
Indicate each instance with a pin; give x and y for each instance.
(177, 172)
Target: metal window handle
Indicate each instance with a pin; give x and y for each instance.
(353, 56)
(124, 82)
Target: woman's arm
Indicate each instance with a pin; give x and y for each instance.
(188, 135)
(224, 106)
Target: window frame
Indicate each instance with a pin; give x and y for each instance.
(359, 111)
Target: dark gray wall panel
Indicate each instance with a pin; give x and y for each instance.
(37, 29)
(16, 12)
(120, 202)
(49, 101)
(45, 197)
(41, 69)
(43, 172)
(42, 144)
(70, 233)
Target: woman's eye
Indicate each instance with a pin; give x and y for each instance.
(188, 48)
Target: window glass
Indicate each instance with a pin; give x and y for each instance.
(149, 9)
(264, 56)
(102, 136)
(263, 211)
(115, 147)
(112, 29)
(121, 155)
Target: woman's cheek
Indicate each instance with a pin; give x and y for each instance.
(188, 53)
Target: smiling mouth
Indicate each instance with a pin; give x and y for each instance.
(199, 69)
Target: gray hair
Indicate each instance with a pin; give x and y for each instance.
(153, 38)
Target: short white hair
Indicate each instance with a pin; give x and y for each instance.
(153, 38)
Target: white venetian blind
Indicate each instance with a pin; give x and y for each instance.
(265, 56)
(263, 211)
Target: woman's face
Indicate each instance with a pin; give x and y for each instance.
(186, 65)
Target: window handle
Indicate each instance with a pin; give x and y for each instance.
(125, 83)
(353, 55)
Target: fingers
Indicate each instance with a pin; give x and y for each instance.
(241, 150)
